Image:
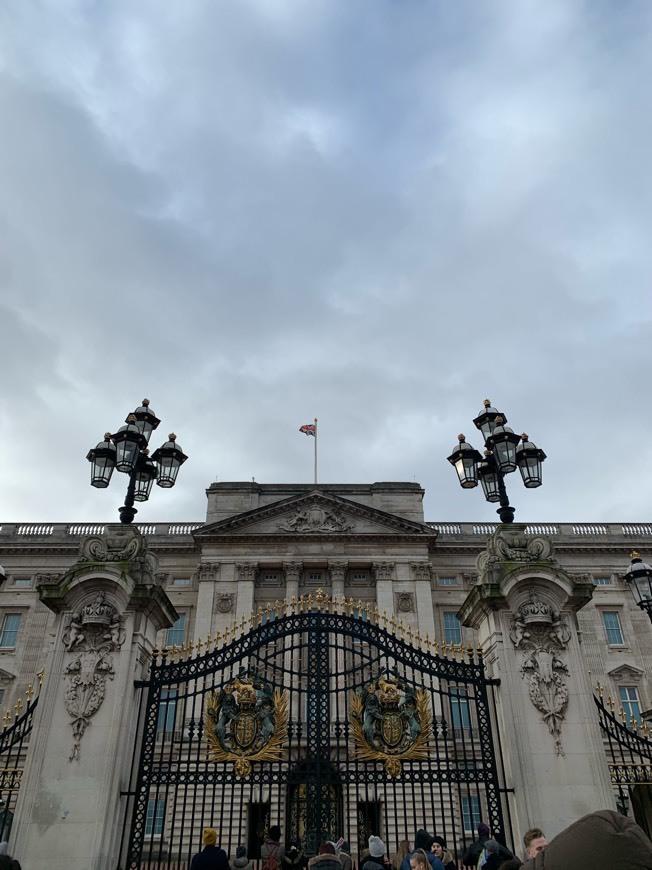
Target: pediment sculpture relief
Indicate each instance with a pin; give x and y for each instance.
(315, 518)
(542, 634)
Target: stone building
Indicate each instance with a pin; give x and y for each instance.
(544, 605)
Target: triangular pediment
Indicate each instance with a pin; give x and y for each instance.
(626, 672)
(315, 513)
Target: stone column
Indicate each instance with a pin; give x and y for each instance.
(383, 574)
(422, 574)
(207, 573)
(292, 572)
(246, 574)
(108, 610)
(523, 608)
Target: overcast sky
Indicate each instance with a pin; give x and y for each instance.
(375, 212)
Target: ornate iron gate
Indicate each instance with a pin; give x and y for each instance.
(629, 758)
(14, 741)
(323, 718)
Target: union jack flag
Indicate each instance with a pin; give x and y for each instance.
(308, 429)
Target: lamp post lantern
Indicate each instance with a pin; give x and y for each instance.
(504, 452)
(639, 579)
(127, 451)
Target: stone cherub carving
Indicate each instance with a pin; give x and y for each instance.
(542, 634)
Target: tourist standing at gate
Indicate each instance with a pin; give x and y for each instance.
(293, 859)
(272, 850)
(241, 861)
(401, 853)
(376, 859)
(440, 851)
(474, 853)
(534, 841)
(344, 855)
(326, 860)
(211, 856)
(423, 843)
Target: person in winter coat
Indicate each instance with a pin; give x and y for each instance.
(293, 859)
(601, 839)
(445, 855)
(211, 856)
(491, 852)
(402, 852)
(376, 859)
(241, 862)
(326, 860)
(423, 840)
(471, 856)
(272, 848)
(344, 855)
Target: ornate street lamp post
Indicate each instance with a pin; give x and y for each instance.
(504, 452)
(639, 579)
(127, 452)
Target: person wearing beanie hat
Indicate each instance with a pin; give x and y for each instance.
(445, 855)
(423, 840)
(375, 861)
(473, 855)
(211, 856)
(241, 862)
(601, 838)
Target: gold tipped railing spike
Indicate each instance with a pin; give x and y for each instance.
(469, 653)
(18, 707)
(410, 636)
(599, 689)
(6, 719)
(200, 646)
(610, 702)
(293, 604)
(343, 605)
(309, 601)
(243, 624)
(392, 625)
(227, 634)
(376, 614)
(319, 598)
(173, 653)
(285, 606)
(29, 693)
(419, 639)
(218, 639)
(350, 607)
(40, 676)
(401, 629)
(252, 620)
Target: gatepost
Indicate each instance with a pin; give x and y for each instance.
(524, 609)
(108, 608)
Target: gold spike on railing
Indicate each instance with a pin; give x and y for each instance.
(410, 636)
(319, 599)
(293, 604)
(622, 714)
(29, 693)
(243, 624)
(227, 635)
(285, 606)
(610, 702)
(200, 646)
(418, 639)
(190, 649)
(18, 707)
(392, 625)
(599, 689)
(633, 722)
(252, 620)
(376, 614)
(218, 640)
(309, 601)
(173, 653)
(385, 620)
(401, 629)
(6, 719)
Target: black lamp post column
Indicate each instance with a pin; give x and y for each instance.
(127, 452)
(504, 452)
(639, 579)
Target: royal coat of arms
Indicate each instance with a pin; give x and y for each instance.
(391, 722)
(246, 720)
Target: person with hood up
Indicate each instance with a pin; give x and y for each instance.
(423, 840)
(326, 860)
(344, 855)
(241, 862)
(472, 855)
(491, 854)
(602, 839)
(445, 855)
(211, 856)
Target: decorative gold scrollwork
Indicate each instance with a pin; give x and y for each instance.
(390, 722)
(246, 721)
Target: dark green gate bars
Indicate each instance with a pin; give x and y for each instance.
(319, 716)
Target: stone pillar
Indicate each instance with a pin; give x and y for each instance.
(523, 608)
(108, 610)
(383, 573)
(246, 574)
(422, 574)
(207, 573)
(292, 572)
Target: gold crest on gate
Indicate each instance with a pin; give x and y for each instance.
(390, 722)
(245, 721)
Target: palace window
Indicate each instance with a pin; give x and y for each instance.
(167, 712)
(471, 815)
(9, 632)
(631, 703)
(448, 581)
(613, 628)
(177, 632)
(602, 581)
(155, 817)
(452, 628)
(460, 712)
(22, 581)
(181, 581)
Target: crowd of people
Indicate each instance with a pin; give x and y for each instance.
(587, 843)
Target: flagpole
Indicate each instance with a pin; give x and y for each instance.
(315, 450)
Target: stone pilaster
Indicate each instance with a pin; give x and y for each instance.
(523, 607)
(292, 572)
(207, 575)
(337, 572)
(108, 610)
(383, 573)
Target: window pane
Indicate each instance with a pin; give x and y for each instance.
(448, 581)
(460, 708)
(612, 627)
(167, 711)
(10, 627)
(602, 581)
(452, 628)
(181, 581)
(154, 818)
(471, 812)
(630, 703)
(177, 633)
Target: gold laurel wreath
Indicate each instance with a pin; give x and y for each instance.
(271, 751)
(393, 763)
